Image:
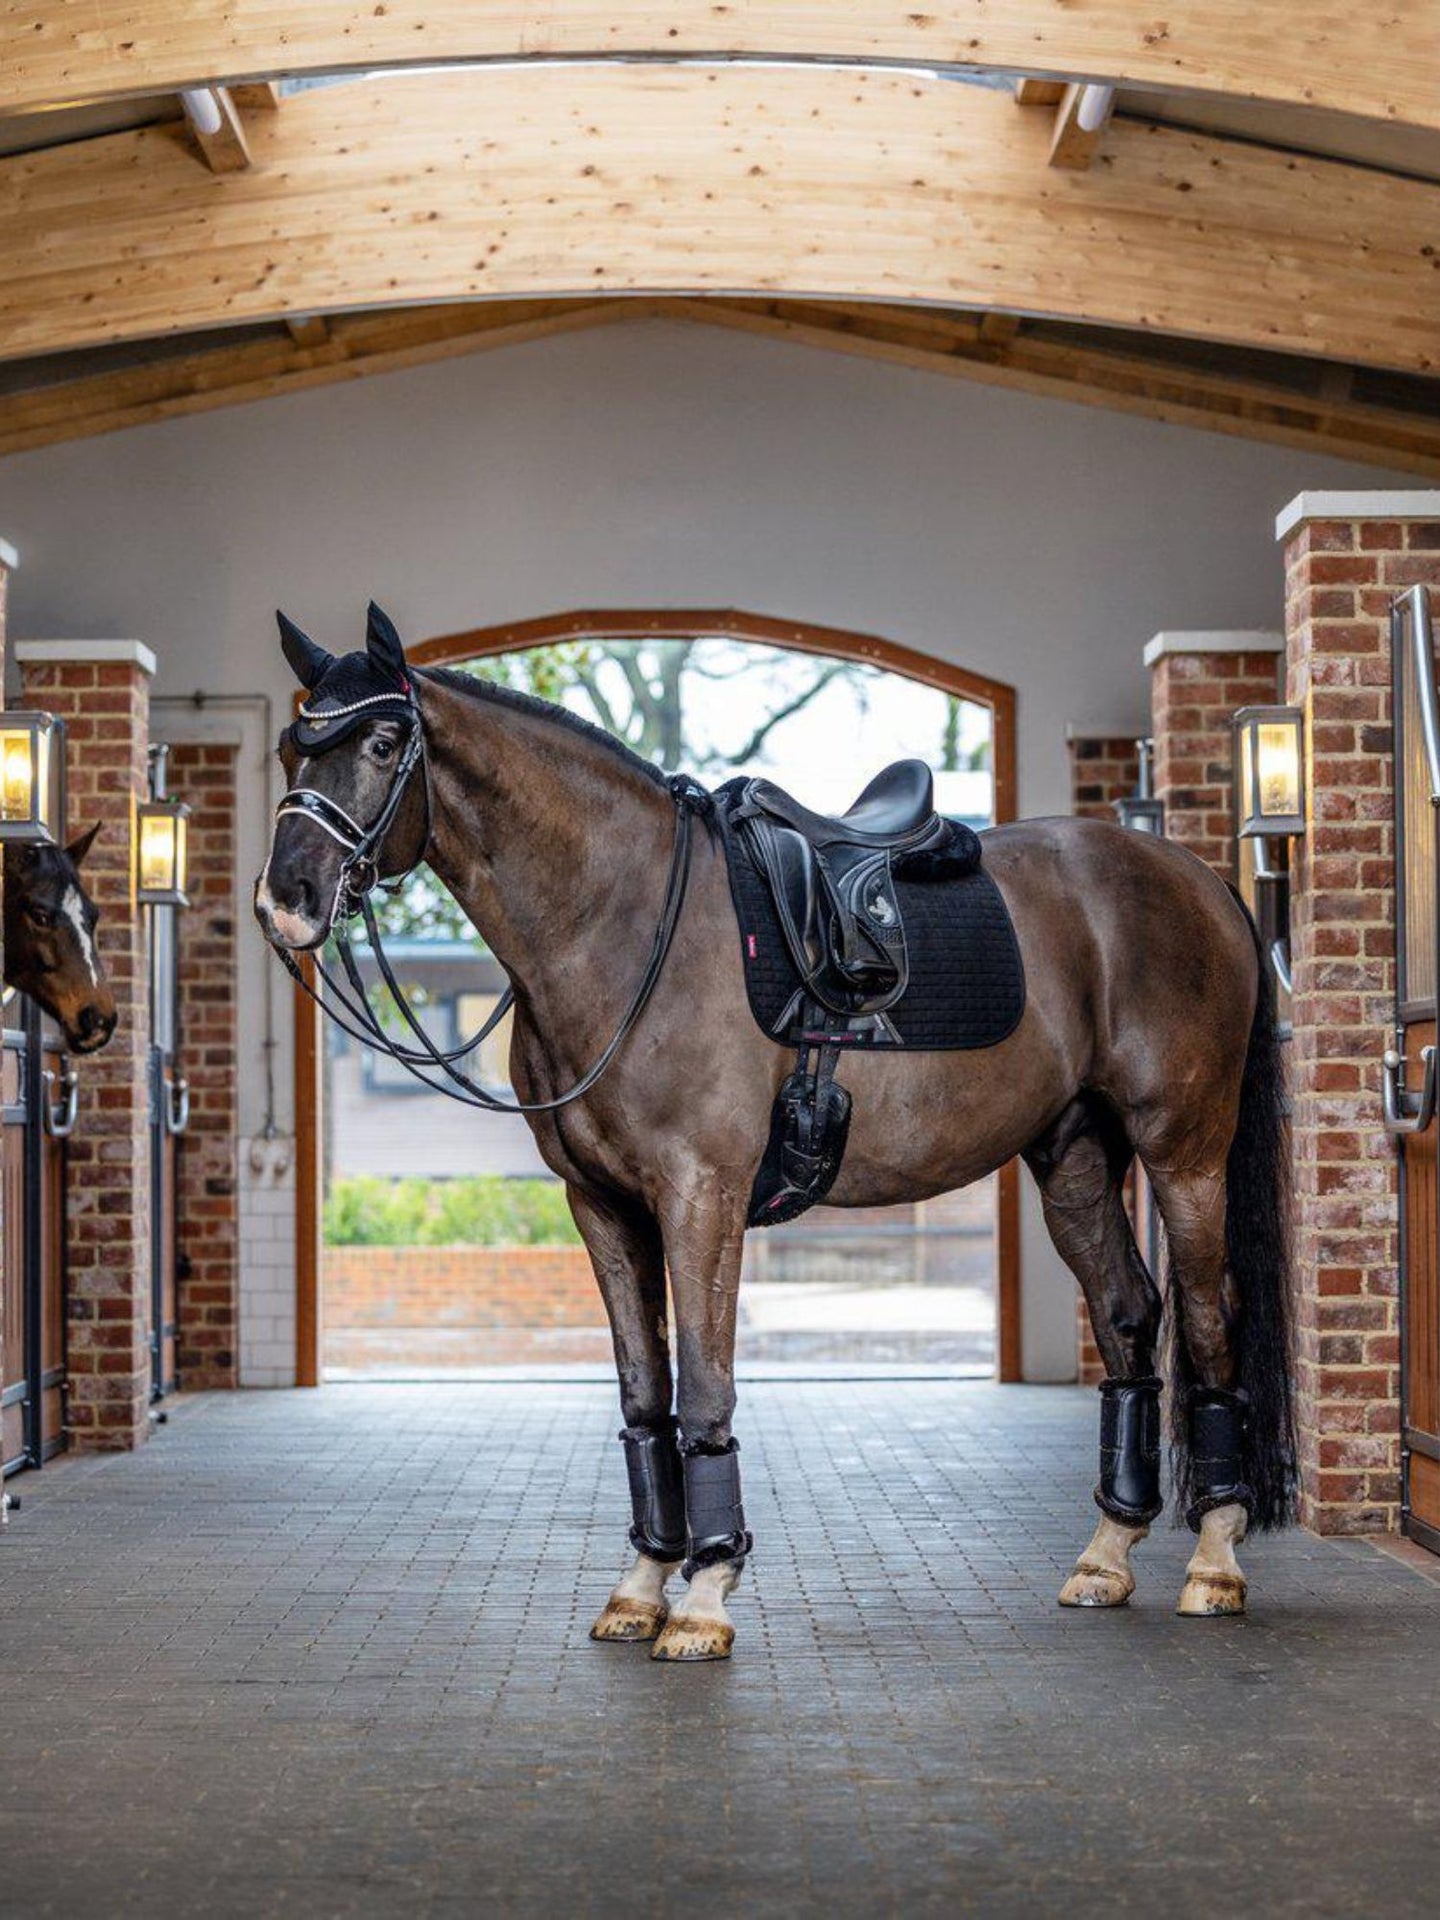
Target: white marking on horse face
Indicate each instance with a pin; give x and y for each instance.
(73, 908)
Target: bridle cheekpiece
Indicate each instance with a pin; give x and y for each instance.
(359, 872)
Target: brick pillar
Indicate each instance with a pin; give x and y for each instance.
(101, 689)
(1346, 555)
(1197, 680)
(1103, 769)
(204, 774)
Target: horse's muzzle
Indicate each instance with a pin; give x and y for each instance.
(296, 928)
(91, 1029)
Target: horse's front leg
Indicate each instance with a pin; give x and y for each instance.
(704, 1239)
(626, 1252)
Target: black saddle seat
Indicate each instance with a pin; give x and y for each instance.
(897, 807)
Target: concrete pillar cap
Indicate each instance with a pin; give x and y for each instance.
(1397, 504)
(132, 653)
(1234, 640)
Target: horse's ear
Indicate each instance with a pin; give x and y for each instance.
(384, 645)
(78, 849)
(306, 661)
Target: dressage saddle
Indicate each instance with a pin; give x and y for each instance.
(832, 880)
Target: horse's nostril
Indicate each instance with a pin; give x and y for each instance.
(306, 898)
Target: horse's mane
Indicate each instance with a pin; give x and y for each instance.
(538, 709)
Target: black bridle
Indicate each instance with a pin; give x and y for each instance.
(348, 1003)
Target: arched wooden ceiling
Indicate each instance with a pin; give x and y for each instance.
(733, 179)
(1376, 61)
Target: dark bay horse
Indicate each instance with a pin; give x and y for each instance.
(1148, 1032)
(50, 949)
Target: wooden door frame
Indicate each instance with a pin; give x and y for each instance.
(673, 623)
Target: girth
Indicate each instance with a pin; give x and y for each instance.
(832, 881)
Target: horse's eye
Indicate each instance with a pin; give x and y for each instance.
(41, 916)
(382, 748)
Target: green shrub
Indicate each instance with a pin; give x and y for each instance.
(483, 1210)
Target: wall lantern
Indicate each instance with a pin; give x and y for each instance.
(1269, 813)
(32, 778)
(1270, 772)
(1142, 810)
(160, 875)
(160, 835)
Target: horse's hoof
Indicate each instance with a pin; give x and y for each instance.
(694, 1640)
(629, 1620)
(1092, 1586)
(1205, 1595)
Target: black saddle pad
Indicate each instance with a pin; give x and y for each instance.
(967, 979)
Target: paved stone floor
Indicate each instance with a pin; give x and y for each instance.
(326, 1654)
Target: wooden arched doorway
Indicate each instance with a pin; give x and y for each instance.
(674, 623)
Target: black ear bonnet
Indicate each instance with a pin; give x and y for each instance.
(345, 693)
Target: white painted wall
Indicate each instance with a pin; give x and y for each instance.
(1038, 542)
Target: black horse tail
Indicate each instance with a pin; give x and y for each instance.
(1257, 1247)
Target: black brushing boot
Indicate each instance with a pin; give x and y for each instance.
(657, 1491)
(1129, 1489)
(714, 1512)
(1218, 1421)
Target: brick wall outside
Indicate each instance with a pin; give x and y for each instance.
(208, 1204)
(460, 1287)
(1103, 769)
(1193, 698)
(1340, 576)
(106, 708)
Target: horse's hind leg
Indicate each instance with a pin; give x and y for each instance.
(1192, 1205)
(1080, 1165)
(629, 1263)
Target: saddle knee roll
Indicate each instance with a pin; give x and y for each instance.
(1219, 1422)
(657, 1491)
(1129, 1489)
(714, 1511)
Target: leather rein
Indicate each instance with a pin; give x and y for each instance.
(347, 1002)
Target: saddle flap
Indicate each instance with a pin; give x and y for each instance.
(788, 863)
(837, 913)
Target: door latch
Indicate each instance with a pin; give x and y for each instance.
(1407, 1112)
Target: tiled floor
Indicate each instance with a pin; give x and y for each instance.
(326, 1654)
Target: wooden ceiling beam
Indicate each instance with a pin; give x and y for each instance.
(1379, 62)
(1246, 408)
(223, 146)
(308, 329)
(230, 374)
(1075, 139)
(570, 182)
(965, 346)
(1039, 93)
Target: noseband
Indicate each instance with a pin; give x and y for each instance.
(348, 1002)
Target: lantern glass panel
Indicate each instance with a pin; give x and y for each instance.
(1269, 771)
(1277, 763)
(157, 852)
